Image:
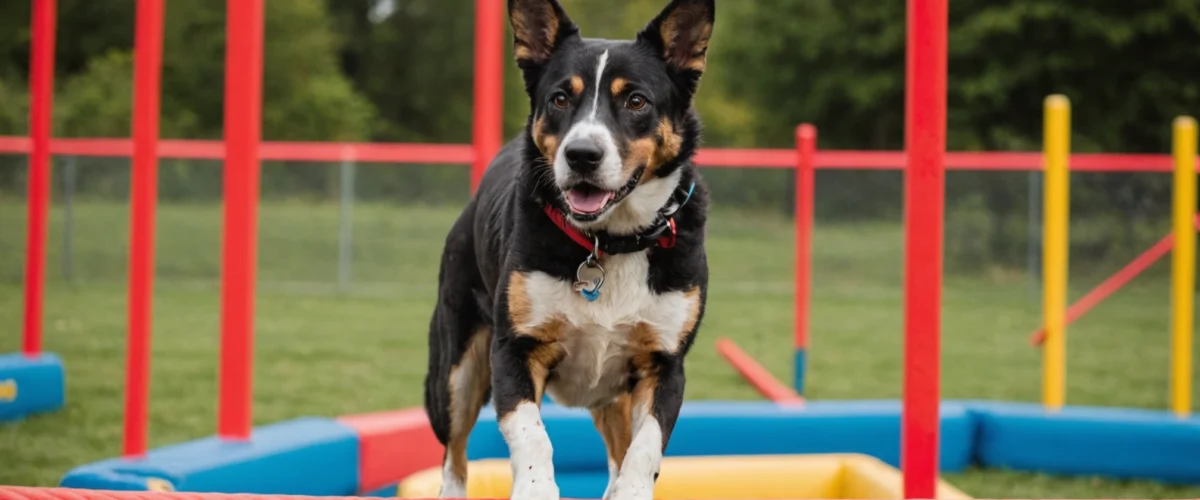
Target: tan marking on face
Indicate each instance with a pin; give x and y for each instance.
(618, 86)
(577, 85)
(641, 152)
(474, 372)
(672, 142)
(535, 28)
(546, 143)
(653, 151)
(616, 427)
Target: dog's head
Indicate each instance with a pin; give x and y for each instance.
(611, 122)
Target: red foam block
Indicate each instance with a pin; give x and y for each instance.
(393, 445)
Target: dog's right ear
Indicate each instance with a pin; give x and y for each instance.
(539, 27)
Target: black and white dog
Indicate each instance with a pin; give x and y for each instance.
(579, 269)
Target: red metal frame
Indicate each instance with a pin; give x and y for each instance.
(147, 67)
(806, 147)
(924, 188)
(242, 151)
(243, 131)
(758, 376)
(1114, 282)
(487, 126)
(41, 104)
(465, 154)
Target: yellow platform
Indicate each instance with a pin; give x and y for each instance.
(729, 477)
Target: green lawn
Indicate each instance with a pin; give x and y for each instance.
(321, 351)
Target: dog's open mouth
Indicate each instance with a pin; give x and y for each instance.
(587, 201)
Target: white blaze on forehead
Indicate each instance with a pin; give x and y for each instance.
(599, 78)
(608, 175)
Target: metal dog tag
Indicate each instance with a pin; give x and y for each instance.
(589, 277)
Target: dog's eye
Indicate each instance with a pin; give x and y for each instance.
(560, 100)
(635, 102)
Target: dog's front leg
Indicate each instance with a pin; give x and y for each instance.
(522, 357)
(657, 398)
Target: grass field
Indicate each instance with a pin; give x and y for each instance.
(321, 351)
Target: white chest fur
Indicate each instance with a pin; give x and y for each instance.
(598, 334)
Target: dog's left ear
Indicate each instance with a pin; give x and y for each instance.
(680, 35)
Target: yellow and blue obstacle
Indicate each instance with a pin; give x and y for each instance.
(846, 475)
(372, 454)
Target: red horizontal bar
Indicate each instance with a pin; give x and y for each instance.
(369, 152)
(277, 151)
(463, 154)
(9, 144)
(746, 158)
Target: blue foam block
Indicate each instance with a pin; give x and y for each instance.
(30, 385)
(758, 428)
(582, 484)
(1114, 442)
(308, 456)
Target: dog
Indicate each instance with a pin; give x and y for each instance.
(578, 268)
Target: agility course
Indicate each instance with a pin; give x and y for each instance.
(788, 447)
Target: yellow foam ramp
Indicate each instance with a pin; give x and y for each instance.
(729, 477)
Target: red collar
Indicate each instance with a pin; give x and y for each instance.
(663, 237)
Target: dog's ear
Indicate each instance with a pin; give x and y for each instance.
(680, 35)
(539, 27)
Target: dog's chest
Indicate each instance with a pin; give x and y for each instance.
(598, 337)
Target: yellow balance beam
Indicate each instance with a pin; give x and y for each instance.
(710, 477)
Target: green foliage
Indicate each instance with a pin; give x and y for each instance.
(840, 64)
(14, 106)
(97, 102)
(392, 70)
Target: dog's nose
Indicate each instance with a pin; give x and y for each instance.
(583, 155)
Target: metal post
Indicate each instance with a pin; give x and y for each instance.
(346, 223)
(1033, 254)
(68, 219)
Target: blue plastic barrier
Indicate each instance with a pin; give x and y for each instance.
(1112, 442)
(744, 428)
(308, 456)
(30, 385)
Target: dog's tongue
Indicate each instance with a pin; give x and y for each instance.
(587, 202)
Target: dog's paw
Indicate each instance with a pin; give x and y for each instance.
(534, 487)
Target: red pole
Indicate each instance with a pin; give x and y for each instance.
(1113, 283)
(925, 138)
(806, 144)
(41, 103)
(243, 131)
(147, 65)
(756, 375)
(487, 126)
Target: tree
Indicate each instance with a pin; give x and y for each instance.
(840, 64)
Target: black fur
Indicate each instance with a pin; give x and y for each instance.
(504, 228)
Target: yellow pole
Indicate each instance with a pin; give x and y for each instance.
(1183, 264)
(1057, 149)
